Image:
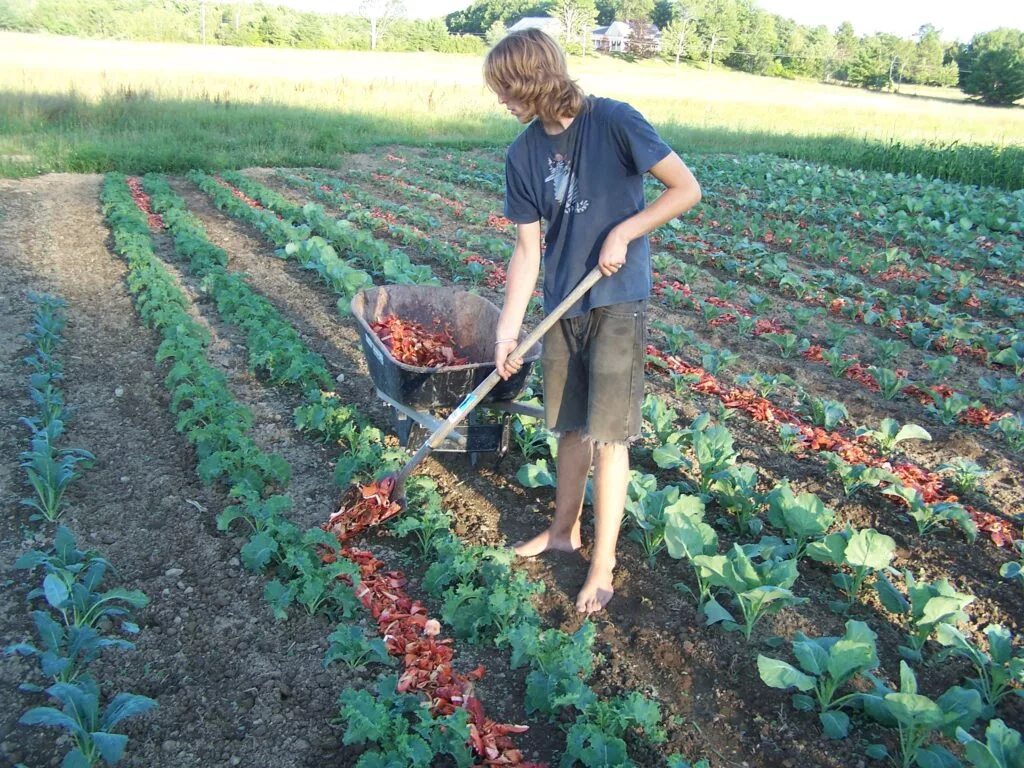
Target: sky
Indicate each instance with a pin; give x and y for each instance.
(957, 19)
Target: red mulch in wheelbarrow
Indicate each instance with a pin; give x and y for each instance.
(413, 344)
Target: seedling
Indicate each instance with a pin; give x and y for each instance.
(760, 587)
(930, 605)
(826, 664)
(964, 474)
(865, 552)
(890, 434)
(1000, 670)
(90, 728)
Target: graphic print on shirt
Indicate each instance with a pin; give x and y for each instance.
(564, 182)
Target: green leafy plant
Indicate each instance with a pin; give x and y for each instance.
(1000, 670)
(1015, 568)
(348, 643)
(802, 517)
(399, 730)
(559, 663)
(1000, 390)
(823, 412)
(941, 367)
(51, 470)
(838, 363)
(890, 434)
(930, 605)
(865, 552)
(964, 474)
(889, 382)
(536, 475)
(687, 536)
(759, 586)
(826, 664)
(789, 344)
(65, 652)
(72, 581)
(856, 477)
(596, 737)
(1002, 747)
(930, 516)
(648, 516)
(735, 491)
(90, 728)
(920, 719)
(947, 408)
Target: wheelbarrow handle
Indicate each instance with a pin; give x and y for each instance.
(484, 387)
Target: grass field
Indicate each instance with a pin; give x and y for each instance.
(91, 105)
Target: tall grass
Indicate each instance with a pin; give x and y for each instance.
(78, 105)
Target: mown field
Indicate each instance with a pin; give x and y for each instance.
(97, 105)
(832, 449)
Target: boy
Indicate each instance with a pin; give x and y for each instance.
(579, 165)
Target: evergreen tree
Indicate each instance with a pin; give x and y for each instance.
(992, 66)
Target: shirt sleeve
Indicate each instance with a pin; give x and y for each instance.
(639, 144)
(520, 206)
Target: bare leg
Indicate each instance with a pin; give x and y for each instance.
(575, 455)
(611, 479)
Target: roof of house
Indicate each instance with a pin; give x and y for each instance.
(534, 22)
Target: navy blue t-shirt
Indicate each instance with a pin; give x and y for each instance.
(582, 182)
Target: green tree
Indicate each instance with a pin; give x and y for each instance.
(757, 41)
(925, 65)
(495, 33)
(992, 66)
(665, 11)
(481, 14)
(718, 27)
(679, 39)
(879, 62)
(606, 10)
(635, 11)
(845, 52)
(577, 18)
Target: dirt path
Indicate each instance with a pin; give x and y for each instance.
(233, 686)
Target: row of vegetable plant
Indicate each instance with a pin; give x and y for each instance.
(77, 614)
(324, 417)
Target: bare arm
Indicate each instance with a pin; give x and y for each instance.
(681, 193)
(523, 269)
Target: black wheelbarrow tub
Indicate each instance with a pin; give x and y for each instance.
(472, 321)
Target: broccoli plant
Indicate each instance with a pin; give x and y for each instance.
(1000, 670)
(929, 606)
(1002, 747)
(1015, 568)
(735, 490)
(760, 586)
(826, 664)
(688, 536)
(801, 517)
(865, 552)
(890, 434)
(919, 719)
(935, 515)
(964, 474)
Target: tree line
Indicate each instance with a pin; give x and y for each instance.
(740, 35)
(731, 33)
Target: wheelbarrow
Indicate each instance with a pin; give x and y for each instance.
(421, 398)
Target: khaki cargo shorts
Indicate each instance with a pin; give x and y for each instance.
(594, 373)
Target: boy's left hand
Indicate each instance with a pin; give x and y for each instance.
(613, 254)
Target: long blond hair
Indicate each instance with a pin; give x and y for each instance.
(528, 66)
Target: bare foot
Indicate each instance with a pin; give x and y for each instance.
(597, 590)
(546, 540)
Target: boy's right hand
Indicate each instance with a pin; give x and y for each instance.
(506, 367)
